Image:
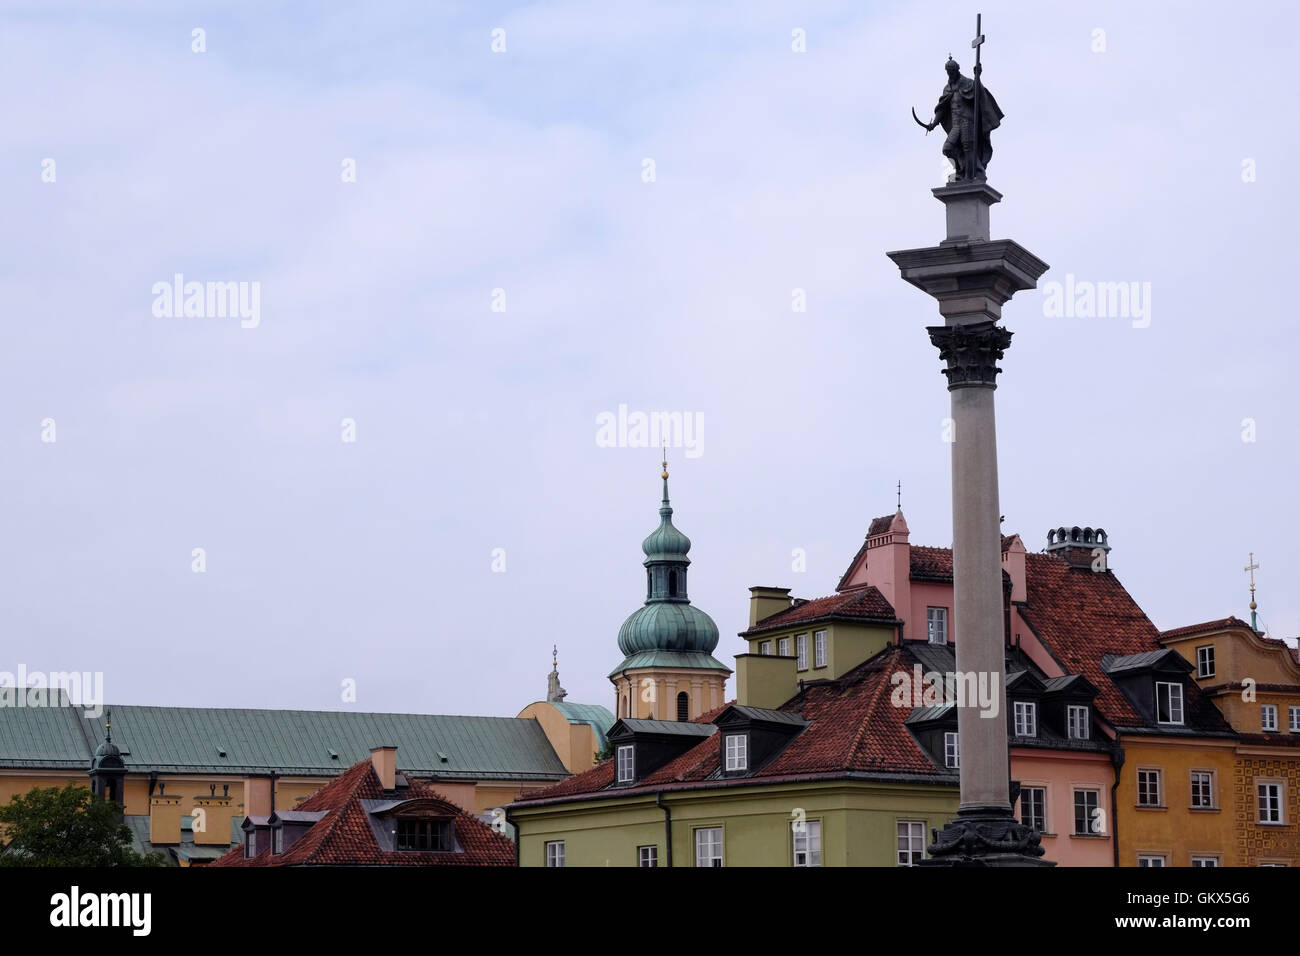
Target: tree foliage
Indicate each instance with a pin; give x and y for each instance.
(69, 826)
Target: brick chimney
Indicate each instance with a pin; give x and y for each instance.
(1081, 547)
(889, 563)
(1013, 562)
(384, 760)
(764, 602)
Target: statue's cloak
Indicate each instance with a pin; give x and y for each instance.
(990, 113)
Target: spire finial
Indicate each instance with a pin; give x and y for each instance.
(108, 726)
(555, 658)
(900, 494)
(1251, 569)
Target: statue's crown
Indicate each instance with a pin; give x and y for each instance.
(952, 65)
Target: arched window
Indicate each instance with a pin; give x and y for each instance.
(672, 584)
(649, 584)
(683, 706)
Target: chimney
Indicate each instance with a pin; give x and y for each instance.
(384, 760)
(1081, 547)
(1013, 562)
(889, 563)
(257, 796)
(764, 602)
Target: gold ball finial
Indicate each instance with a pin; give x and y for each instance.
(1253, 606)
(665, 464)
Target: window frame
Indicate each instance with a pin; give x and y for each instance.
(647, 860)
(735, 759)
(619, 751)
(930, 620)
(1280, 810)
(555, 853)
(440, 836)
(783, 647)
(1155, 782)
(821, 649)
(1267, 711)
(952, 749)
(1182, 712)
(1077, 792)
(1149, 860)
(1030, 709)
(765, 648)
(1026, 808)
(810, 836)
(1206, 861)
(1293, 719)
(1085, 721)
(696, 832)
(1211, 790)
(901, 835)
(1205, 662)
(801, 652)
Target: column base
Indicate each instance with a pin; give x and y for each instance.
(986, 836)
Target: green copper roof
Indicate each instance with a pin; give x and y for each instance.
(598, 717)
(687, 659)
(668, 627)
(666, 543)
(234, 741)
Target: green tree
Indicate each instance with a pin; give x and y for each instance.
(49, 826)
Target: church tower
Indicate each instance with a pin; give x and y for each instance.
(107, 769)
(668, 670)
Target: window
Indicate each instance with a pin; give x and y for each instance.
(801, 651)
(683, 706)
(737, 752)
(1151, 860)
(1202, 789)
(708, 846)
(1205, 861)
(1293, 718)
(936, 619)
(1033, 806)
(1088, 820)
(1026, 719)
(1148, 788)
(1205, 661)
(277, 840)
(765, 648)
(1169, 703)
(555, 853)
(951, 750)
(807, 842)
(424, 835)
(672, 584)
(647, 856)
(1268, 717)
(783, 646)
(248, 845)
(1270, 802)
(1076, 718)
(819, 649)
(625, 765)
(911, 842)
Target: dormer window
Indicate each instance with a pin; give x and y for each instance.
(951, 750)
(625, 774)
(1077, 721)
(1169, 703)
(936, 619)
(415, 834)
(1026, 719)
(277, 840)
(248, 845)
(737, 753)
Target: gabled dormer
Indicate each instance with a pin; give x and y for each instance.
(935, 729)
(643, 746)
(1155, 683)
(287, 827)
(1069, 707)
(751, 737)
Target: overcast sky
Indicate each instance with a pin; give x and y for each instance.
(1159, 151)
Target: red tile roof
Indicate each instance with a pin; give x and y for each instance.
(852, 726)
(1222, 624)
(931, 563)
(343, 837)
(861, 603)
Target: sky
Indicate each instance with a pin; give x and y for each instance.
(392, 473)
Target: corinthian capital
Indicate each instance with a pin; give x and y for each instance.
(971, 351)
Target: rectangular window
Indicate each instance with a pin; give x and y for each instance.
(424, 835)
(807, 842)
(1087, 814)
(936, 620)
(277, 840)
(1077, 720)
(625, 764)
(647, 856)
(911, 842)
(1149, 788)
(801, 651)
(1169, 703)
(1205, 661)
(951, 750)
(1026, 719)
(1268, 717)
(1033, 808)
(1202, 789)
(1293, 718)
(819, 649)
(555, 853)
(765, 648)
(783, 646)
(1205, 861)
(708, 846)
(737, 752)
(1270, 802)
(1151, 860)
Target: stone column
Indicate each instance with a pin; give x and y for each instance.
(971, 277)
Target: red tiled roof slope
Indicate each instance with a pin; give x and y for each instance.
(343, 837)
(865, 603)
